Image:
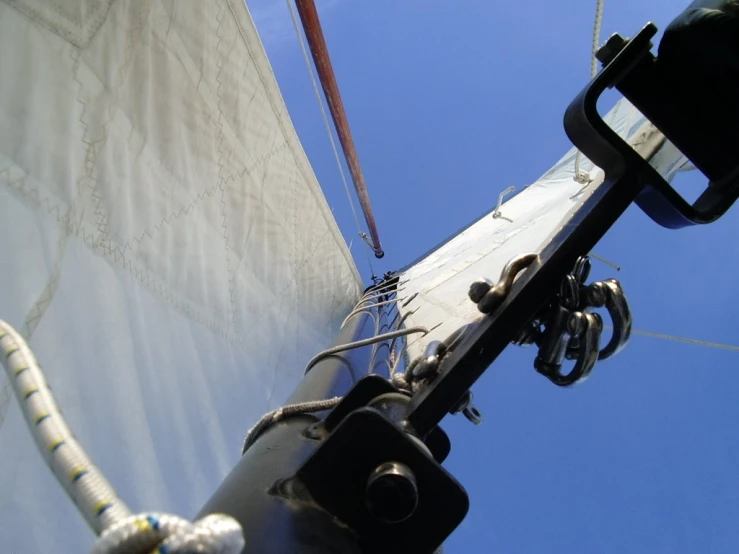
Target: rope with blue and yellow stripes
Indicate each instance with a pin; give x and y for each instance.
(94, 496)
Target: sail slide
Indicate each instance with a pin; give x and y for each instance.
(439, 282)
(166, 249)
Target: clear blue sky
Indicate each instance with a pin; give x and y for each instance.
(451, 102)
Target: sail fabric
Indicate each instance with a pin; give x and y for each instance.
(439, 283)
(164, 247)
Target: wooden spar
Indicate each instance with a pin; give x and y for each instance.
(319, 51)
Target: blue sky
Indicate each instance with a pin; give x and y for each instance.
(450, 103)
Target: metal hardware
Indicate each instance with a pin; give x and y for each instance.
(608, 51)
(381, 394)
(565, 330)
(423, 370)
(686, 106)
(365, 342)
(584, 326)
(429, 363)
(489, 297)
(366, 457)
(473, 415)
(392, 492)
(466, 408)
(610, 294)
(496, 212)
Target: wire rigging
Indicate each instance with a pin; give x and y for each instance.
(697, 342)
(606, 261)
(582, 177)
(329, 132)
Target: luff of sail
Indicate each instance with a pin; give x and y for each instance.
(166, 248)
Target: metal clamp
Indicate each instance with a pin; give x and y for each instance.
(567, 329)
(587, 328)
(489, 297)
(610, 294)
(424, 369)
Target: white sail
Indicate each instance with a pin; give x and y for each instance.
(166, 248)
(439, 283)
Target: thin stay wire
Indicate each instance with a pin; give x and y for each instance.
(606, 261)
(579, 176)
(716, 345)
(697, 342)
(308, 65)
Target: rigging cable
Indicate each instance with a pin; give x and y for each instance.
(697, 342)
(326, 123)
(582, 177)
(95, 498)
(606, 261)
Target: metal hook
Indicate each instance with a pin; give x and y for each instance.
(582, 269)
(506, 192)
(428, 365)
(610, 294)
(569, 292)
(488, 297)
(585, 327)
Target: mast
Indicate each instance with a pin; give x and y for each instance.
(274, 508)
(319, 51)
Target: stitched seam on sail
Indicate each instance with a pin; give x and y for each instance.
(111, 254)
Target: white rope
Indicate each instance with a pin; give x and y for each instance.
(85, 484)
(163, 533)
(580, 176)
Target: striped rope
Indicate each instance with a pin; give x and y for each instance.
(95, 498)
(83, 482)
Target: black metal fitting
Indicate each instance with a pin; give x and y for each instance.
(392, 492)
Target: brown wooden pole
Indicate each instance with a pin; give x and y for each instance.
(319, 51)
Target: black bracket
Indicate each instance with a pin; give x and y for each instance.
(685, 106)
(379, 480)
(362, 394)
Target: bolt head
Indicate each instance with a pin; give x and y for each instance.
(392, 493)
(610, 49)
(479, 289)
